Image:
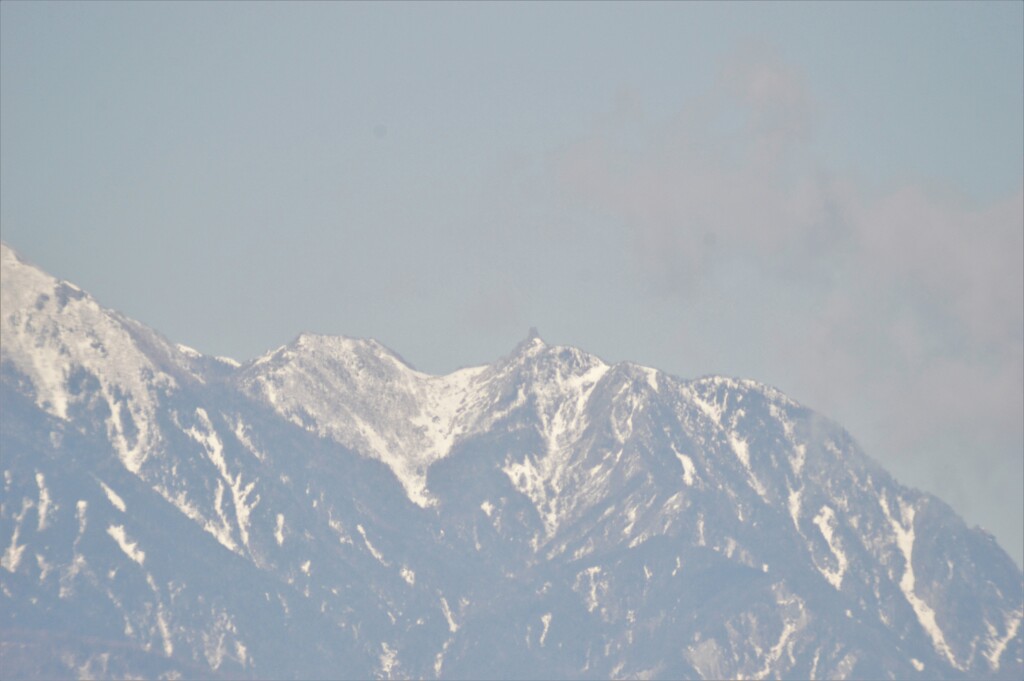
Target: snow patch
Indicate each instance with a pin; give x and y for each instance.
(129, 547)
(689, 470)
(279, 529)
(997, 644)
(742, 451)
(188, 351)
(388, 659)
(439, 658)
(652, 377)
(240, 492)
(339, 529)
(776, 652)
(546, 621)
(588, 584)
(739, 447)
(826, 522)
(45, 568)
(712, 411)
(452, 625)
(80, 508)
(12, 555)
(43, 508)
(165, 630)
(370, 547)
(216, 641)
(241, 432)
(241, 652)
(529, 478)
(113, 497)
(904, 532)
(799, 458)
(192, 512)
(794, 507)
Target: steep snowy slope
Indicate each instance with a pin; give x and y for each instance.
(327, 511)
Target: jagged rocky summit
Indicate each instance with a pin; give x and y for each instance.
(327, 511)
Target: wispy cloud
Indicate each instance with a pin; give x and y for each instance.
(918, 295)
(720, 176)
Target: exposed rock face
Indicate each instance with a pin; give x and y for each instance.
(326, 511)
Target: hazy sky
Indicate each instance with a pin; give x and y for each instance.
(826, 197)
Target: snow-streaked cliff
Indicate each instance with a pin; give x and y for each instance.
(328, 511)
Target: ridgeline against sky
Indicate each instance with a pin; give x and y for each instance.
(828, 198)
(545, 515)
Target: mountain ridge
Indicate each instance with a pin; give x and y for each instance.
(573, 518)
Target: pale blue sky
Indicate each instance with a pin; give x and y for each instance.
(826, 197)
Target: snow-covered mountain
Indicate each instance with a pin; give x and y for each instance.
(327, 511)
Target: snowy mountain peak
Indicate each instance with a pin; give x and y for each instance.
(548, 514)
(23, 283)
(365, 397)
(73, 352)
(529, 346)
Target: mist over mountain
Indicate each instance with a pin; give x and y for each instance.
(328, 511)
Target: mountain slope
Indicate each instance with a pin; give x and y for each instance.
(327, 511)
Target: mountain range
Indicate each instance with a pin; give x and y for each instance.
(328, 511)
